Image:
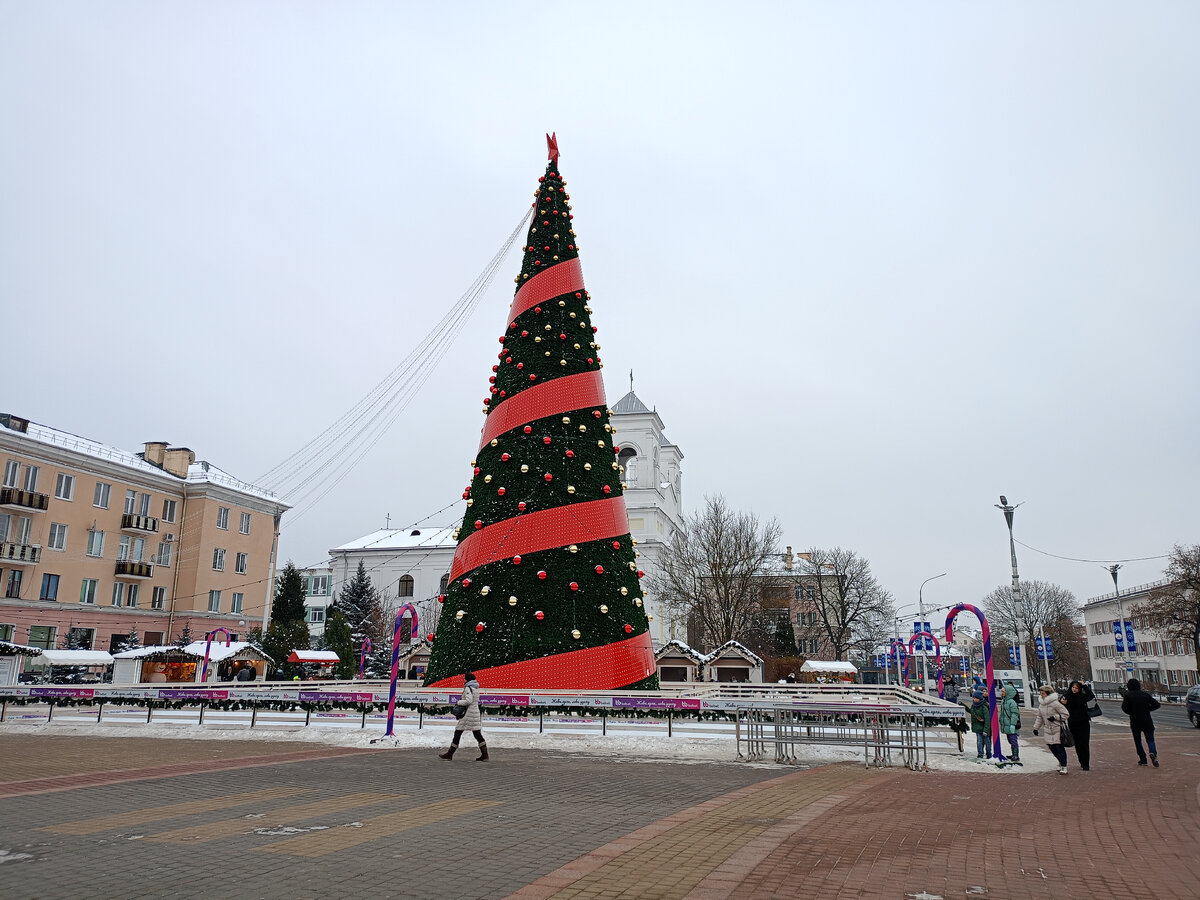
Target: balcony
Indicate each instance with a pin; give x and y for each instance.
(19, 499)
(140, 524)
(20, 554)
(127, 568)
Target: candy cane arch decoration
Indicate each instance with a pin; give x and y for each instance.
(396, 659)
(208, 646)
(937, 648)
(896, 651)
(367, 647)
(987, 665)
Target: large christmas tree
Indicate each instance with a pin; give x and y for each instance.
(545, 589)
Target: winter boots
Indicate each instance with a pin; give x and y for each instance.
(1154, 759)
(482, 757)
(449, 754)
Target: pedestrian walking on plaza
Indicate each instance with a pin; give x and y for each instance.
(1138, 705)
(1052, 719)
(981, 724)
(470, 720)
(1077, 700)
(1010, 724)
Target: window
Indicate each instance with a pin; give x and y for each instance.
(318, 586)
(406, 585)
(31, 477)
(219, 559)
(244, 528)
(154, 638)
(239, 564)
(12, 587)
(49, 589)
(168, 511)
(6, 632)
(131, 594)
(143, 504)
(158, 600)
(95, 544)
(130, 502)
(83, 638)
(123, 547)
(58, 537)
(164, 553)
(223, 518)
(316, 614)
(87, 591)
(444, 583)
(64, 489)
(139, 549)
(12, 472)
(214, 601)
(118, 598)
(5, 518)
(103, 492)
(23, 531)
(42, 636)
(236, 605)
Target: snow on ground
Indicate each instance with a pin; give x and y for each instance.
(628, 741)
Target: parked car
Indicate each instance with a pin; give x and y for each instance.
(1193, 705)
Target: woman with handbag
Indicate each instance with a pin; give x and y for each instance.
(467, 713)
(1078, 700)
(1052, 719)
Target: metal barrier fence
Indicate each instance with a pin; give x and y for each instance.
(886, 736)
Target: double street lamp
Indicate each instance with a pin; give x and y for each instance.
(1018, 603)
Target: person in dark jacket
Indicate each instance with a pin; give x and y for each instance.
(1138, 705)
(1077, 699)
(981, 724)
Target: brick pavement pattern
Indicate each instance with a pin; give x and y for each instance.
(281, 822)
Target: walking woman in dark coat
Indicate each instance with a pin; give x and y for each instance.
(1077, 699)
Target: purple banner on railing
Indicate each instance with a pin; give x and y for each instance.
(654, 703)
(188, 694)
(62, 692)
(337, 696)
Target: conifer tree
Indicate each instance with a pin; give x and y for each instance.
(359, 602)
(338, 639)
(185, 636)
(544, 589)
(290, 591)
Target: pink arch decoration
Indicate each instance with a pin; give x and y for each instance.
(987, 664)
(937, 648)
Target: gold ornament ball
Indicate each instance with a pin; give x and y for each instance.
(603, 608)
(575, 633)
(512, 601)
(570, 488)
(637, 601)
(624, 591)
(487, 479)
(524, 467)
(470, 501)
(458, 615)
(587, 467)
(494, 444)
(485, 590)
(566, 420)
(573, 548)
(649, 618)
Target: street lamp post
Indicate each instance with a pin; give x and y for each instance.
(921, 613)
(1018, 604)
(1124, 655)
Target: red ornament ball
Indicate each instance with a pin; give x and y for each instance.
(521, 506)
(570, 454)
(537, 309)
(539, 615)
(548, 477)
(542, 575)
(578, 295)
(478, 470)
(441, 598)
(628, 629)
(545, 440)
(466, 582)
(599, 570)
(505, 457)
(478, 523)
(500, 491)
(516, 560)
(607, 489)
(429, 637)
(574, 586)
(596, 413)
(479, 627)
(528, 429)
(641, 574)
(533, 378)
(616, 545)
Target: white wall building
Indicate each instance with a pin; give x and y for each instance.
(1157, 661)
(318, 589)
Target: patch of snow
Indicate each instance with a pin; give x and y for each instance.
(290, 829)
(9, 856)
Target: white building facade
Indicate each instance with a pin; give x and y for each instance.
(1159, 662)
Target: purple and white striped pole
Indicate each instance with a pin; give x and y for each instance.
(987, 665)
(367, 647)
(208, 647)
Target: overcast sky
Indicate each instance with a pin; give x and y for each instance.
(874, 264)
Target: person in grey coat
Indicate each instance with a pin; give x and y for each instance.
(471, 720)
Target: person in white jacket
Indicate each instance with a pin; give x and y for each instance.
(1052, 719)
(470, 721)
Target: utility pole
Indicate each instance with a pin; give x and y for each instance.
(1018, 603)
(1124, 655)
(921, 614)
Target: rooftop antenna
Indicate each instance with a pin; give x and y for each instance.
(631, 381)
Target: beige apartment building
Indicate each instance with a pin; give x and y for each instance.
(101, 541)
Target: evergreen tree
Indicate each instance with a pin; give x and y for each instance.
(337, 638)
(290, 591)
(185, 636)
(131, 641)
(359, 602)
(544, 590)
(281, 639)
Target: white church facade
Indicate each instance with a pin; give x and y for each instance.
(413, 565)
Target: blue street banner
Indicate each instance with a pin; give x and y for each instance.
(964, 664)
(1014, 655)
(1046, 651)
(926, 643)
(1130, 643)
(1118, 636)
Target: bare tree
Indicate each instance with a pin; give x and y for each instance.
(1174, 608)
(853, 612)
(1050, 609)
(712, 571)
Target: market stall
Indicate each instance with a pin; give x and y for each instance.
(182, 665)
(819, 671)
(12, 660)
(318, 663)
(732, 662)
(676, 661)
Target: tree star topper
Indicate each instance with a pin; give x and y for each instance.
(552, 146)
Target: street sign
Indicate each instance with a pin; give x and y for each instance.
(1129, 667)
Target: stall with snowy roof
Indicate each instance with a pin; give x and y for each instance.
(12, 660)
(732, 662)
(676, 661)
(820, 671)
(414, 659)
(183, 665)
(320, 662)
